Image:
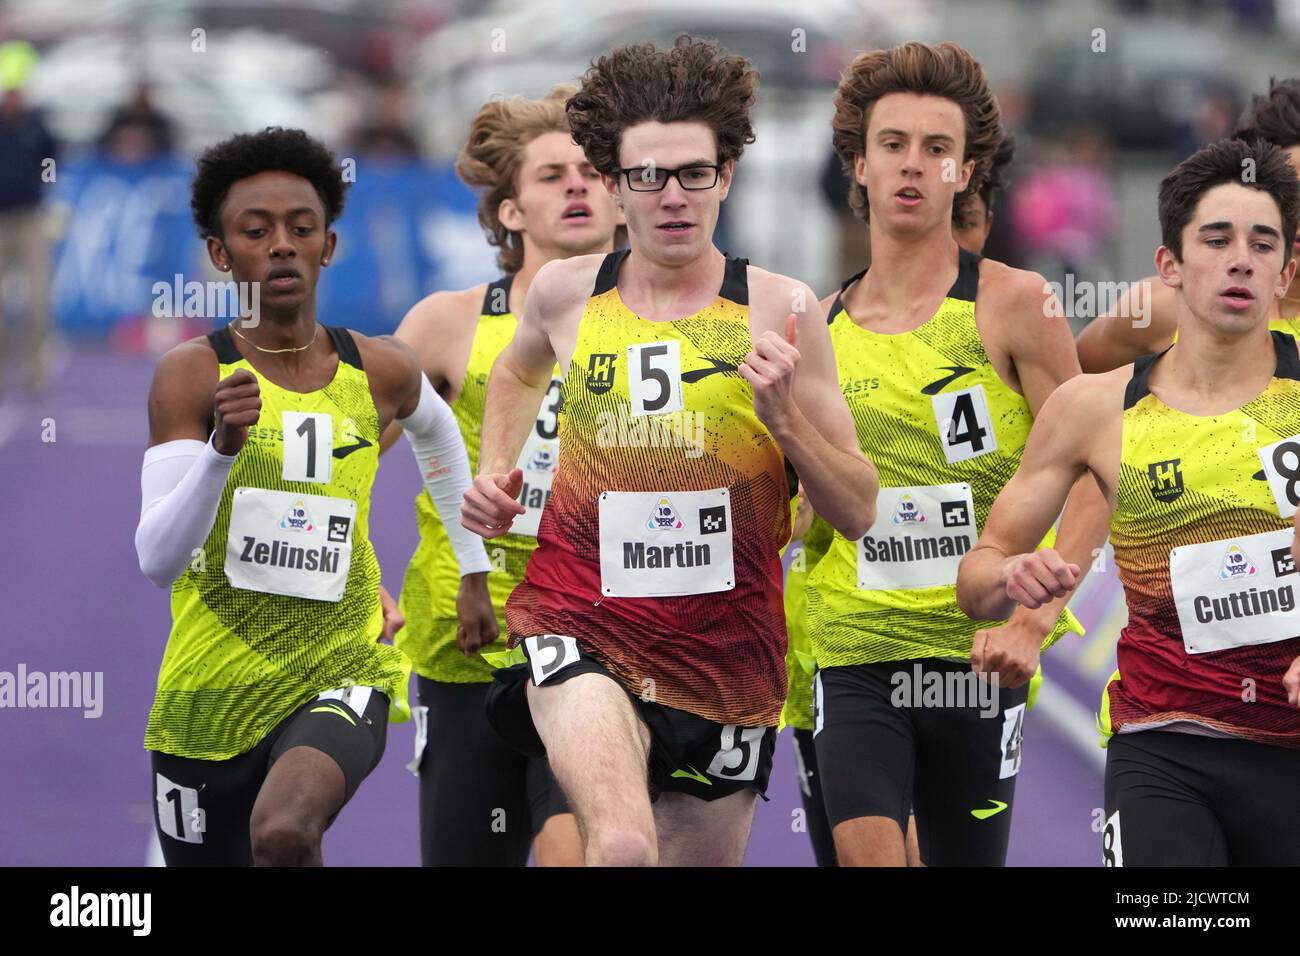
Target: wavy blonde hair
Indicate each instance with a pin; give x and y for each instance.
(493, 155)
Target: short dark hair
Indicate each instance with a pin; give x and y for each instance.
(1273, 117)
(247, 154)
(1227, 162)
(994, 186)
(693, 81)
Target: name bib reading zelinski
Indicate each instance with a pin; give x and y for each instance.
(667, 544)
(291, 544)
(1236, 592)
(919, 537)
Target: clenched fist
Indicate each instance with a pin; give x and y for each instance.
(237, 403)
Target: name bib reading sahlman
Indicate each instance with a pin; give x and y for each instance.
(290, 544)
(919, 537)
(665, 544)
(1236, 592)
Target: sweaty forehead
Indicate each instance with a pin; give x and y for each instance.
(667, 144)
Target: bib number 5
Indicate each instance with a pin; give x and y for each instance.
(654, 377)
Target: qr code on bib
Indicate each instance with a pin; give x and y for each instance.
(713, 520)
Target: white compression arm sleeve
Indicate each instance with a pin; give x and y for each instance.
(440, 455)
(180, 489)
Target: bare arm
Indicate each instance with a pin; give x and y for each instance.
(1056, 455)
(516, 386)
(1142, 322)
(806, 413)
(1037, 338)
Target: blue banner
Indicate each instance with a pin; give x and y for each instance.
(406, 231)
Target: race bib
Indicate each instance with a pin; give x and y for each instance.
(919, 537)
(538, 460)
(1281, 461)
(1235, 592)
(665, 544)
(290, 544)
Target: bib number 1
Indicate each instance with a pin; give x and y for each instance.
(308, 446)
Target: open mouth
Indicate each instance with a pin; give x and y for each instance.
(675, 226)
(283, 278)
(1238, 296)
(579, 211)
(909, 196)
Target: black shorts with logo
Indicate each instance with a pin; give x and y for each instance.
(1183, 799)
(203, 808)
(884, 751)
(688, 753)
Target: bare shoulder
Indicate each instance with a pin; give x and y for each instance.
(441, 312)
(772, 297)
(191, 364)
(180, 396)
(386, 356)
(1010, 293)
(1096, 399)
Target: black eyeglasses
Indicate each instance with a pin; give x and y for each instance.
(652, 179)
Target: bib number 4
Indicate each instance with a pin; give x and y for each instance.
(964, 423)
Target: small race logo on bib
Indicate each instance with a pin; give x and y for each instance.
(908, 511)
(664, 518)
(1236, 565)
(297, 518)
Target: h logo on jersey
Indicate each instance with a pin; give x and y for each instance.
(1166, 480)
(600, 372)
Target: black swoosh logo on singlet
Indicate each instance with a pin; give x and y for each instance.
(719, 367)
(934, 388)
(345, 450)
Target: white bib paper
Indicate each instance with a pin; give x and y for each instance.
(1281, 461)
(667, 544)
(539, 459)
(919, 537)
(290, 544)
(1236, 592)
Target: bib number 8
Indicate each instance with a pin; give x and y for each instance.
(1282, 470)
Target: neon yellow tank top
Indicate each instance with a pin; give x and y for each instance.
(432, 579)
(283, 602)
(945, 434)
(798, 709)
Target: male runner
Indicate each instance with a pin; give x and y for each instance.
(1197, 451)
(651, 610)
(1146, 320)
(539, 199)
(942, 357)
(812, 538)
(274, 697)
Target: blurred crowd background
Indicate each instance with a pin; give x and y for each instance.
(1103, 97)
(105, 103)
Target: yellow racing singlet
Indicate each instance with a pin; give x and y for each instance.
(432, 580)
(798, 709)
(1202, 533)
(283, 602)
(659, 553)
(945, 433)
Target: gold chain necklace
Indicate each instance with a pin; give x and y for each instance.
(299, 348)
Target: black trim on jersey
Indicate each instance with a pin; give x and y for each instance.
(1137, 389)
(223, 343)
(488, 298)
(1288, 358)
(735, 281)
(346, 346)
(791, 480)
(965, 287)
(735, 277)
(607, 277)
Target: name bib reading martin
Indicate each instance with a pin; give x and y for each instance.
(665, 544)
(919, 537)
(290, 544)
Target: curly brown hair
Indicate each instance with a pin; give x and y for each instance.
(943, 69)
(493, 155)
(694, 81)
